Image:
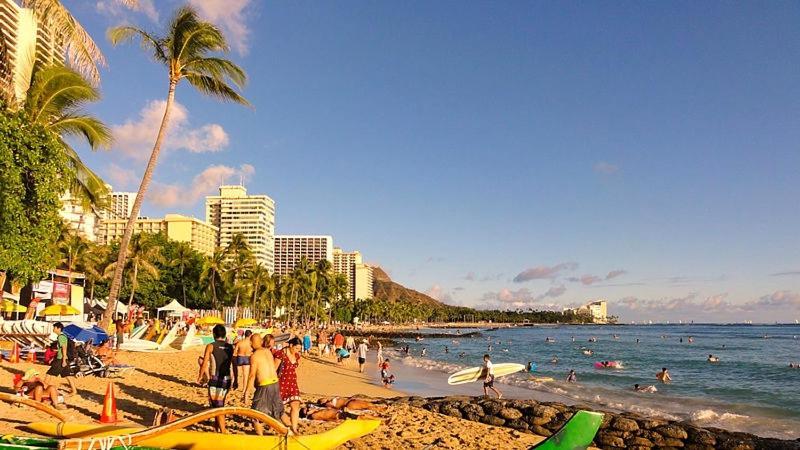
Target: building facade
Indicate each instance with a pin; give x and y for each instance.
(120, 205)
(85, 220)
(359, 275)
(233, 212)
(597, 310)
(200, 235)
(289, 249)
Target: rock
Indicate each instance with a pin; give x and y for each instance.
(536, 420)
(517, 424)
(608, 440)
(733, 443)
(536, 429)
(672, 431)
(450, 410)
(691, 446)
(492, 407)
(702, 437)
(649, 424)
(672, 442)
(493, 420)
(544, 411)
(472, 408)
(510, 414)
(555, 424)
(623, 424)
(639, 441)
(652, 436)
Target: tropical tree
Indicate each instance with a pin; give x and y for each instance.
(213, 268)
(183, 257)
(145, 251)
(240, 261)
(258, 281)
(185, 50)
(324, 285)
(93, 263)
(72, 249)
(339, 289)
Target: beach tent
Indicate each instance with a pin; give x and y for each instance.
(173, 308)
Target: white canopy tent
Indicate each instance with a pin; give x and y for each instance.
(173, 308)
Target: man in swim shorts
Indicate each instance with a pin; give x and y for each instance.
(663, 376)
(488, 377)
(264, 376)
(241, 356)
(217, 368)
(362, 355)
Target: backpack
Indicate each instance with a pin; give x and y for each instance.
(72, 353)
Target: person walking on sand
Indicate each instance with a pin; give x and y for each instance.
(380, 353)
(663, 376)
(290, 393)
(487, 374)
(59, 366)
(216, 369)
(263, 375)
(241, 356)
(362, 355)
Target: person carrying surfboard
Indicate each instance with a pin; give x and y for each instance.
(488, 377)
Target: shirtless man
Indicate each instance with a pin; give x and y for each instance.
(663, 376)
(263, 375)
(241, 356)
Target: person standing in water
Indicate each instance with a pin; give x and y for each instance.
(572, 377)
(487, 374)
(663, 376)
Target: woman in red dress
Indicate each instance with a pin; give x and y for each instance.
(287, 380)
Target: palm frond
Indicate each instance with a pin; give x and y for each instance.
(215, 88)
(85, 185)
(147, 41)
(96, 133)
(57, 90)
(218, 68)
(81, 51)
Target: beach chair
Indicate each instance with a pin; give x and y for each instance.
(576, 434)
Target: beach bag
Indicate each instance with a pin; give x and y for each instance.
(72, 352)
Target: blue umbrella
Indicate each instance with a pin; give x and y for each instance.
(95, 333)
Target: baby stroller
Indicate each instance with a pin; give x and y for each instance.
(86, 362)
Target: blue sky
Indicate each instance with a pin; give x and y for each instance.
(500, 154)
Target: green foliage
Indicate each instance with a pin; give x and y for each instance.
(33, 175)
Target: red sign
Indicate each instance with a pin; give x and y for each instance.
(61, 293)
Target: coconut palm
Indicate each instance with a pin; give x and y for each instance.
(339, 290)
(323, 270)
(258, 281)
(185, 50)
(93, 263)
(73, 249)
(213, 268)
(184, 256)
(145, 252)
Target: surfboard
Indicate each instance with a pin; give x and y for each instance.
(541, 379)
(473, 373)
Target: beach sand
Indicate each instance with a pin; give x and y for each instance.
(169, 379)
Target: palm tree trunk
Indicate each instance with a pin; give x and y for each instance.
(116, 282)
(133, 286)
(183, 286)
(213, 292)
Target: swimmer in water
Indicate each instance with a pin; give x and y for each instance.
(446, 350)
(649, 389)
(663, 376)
(713, 359)
(637, 340)
(572, 377)
(554, 360)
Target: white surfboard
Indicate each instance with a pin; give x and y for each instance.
(473, 373)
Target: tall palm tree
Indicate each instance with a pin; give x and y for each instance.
(258, 280)
(185, 51)
(323, 270)
(339, 289)
(93, 263)
(72, 249)
(145, 252)
(240, 260)
(213, 268)
(182, 258)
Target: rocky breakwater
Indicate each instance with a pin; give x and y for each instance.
(618, 430)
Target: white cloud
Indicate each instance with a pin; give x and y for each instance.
(230, 16)
(120, 177)
(605, 168)
(171, 195)
(135, 138)
(544, 272)
(116, 8)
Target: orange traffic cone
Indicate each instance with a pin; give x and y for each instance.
(14, 356)
(109, 413)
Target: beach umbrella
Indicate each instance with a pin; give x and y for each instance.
(95, 334)
(210, 320)
(59, 310)
(10, 307)
(245, 322)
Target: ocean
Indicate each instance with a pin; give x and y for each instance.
(751, 389)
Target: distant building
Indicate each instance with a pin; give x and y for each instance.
(597, 310)
(84, 220)
(359, 275)
(120, 205)
(200, 235)
(234, 212)
(289, 249)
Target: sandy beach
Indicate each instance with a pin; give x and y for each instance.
(169, 379)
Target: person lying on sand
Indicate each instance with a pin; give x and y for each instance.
(31, 386)
(314, 412)
(349, 403)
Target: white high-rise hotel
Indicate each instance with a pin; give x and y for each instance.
(234, 212)
(359, 275)
(289, 249)
(120, 205)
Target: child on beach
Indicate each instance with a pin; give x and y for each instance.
(488, 377)
(388, 379)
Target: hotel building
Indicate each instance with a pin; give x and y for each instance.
(120, 205)
(597, 310)
(359, 275)
(234, 212)
(289, 249)
(85, 221)
(200, 235)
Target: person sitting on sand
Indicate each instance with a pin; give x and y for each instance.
(648, 389)
(31, 386)
(241, 356)
(487, 375)
(216, 370)
(349, 403)
(263, 376)
(713, 359)
(386, 377)
(572, 377)
(663, 376)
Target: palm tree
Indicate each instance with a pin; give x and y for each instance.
(258, 279)
(213, 268)
(93, 260)
(183, 257)
(72, 248)
(185, 51)
(324, 284)
(145, 252)
(240, 260)
(339, 289)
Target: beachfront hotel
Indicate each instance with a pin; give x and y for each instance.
(22, 36)
(233, 212)
(120, 205)
(200, 235)
(289, 249)
(597, 310)
(359, 275)
(85, 221)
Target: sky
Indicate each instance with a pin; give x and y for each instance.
(497, 154)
